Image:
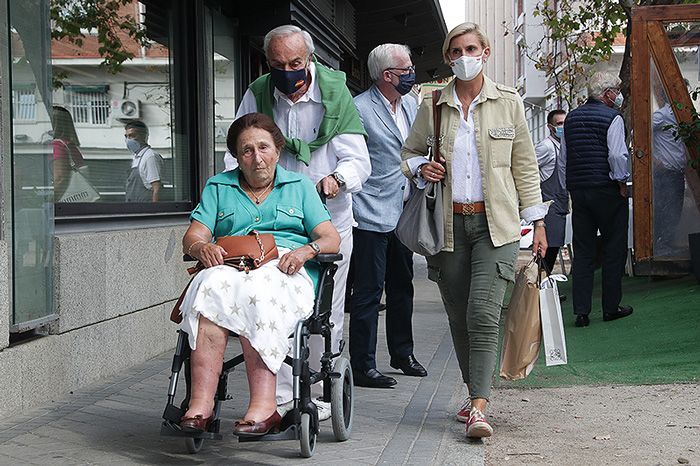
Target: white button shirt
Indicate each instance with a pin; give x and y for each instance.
(345, 154)
(466, 172)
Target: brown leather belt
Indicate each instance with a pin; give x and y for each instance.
(468, 209)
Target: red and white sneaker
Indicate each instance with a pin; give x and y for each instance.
(463, 413)
(477, 425)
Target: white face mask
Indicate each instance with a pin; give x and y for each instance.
(467, 68)
(619, 99)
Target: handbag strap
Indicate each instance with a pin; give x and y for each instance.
(260, 245)
(437, 114)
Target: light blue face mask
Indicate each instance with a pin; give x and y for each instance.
(619, 99)
(133, 145)
(559, 131)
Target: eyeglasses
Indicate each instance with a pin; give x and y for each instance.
(410, 69)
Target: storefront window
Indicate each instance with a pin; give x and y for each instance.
(113, 140)
(225, 104)
(32, 207)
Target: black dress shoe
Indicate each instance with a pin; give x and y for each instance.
(372, 378)
(581, 320)
(621, 311)
(409, 366)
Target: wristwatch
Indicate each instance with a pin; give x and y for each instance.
(315, 247)
(338, 178)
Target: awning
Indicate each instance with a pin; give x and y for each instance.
(418, 24)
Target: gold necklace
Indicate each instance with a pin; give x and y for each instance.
(258, 196)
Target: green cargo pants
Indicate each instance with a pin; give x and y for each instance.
(472, 282)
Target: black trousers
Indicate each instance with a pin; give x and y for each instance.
(593, 209)
(380, 261)
(550, 258)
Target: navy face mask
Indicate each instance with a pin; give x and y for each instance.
(288, 82)
(406, 82)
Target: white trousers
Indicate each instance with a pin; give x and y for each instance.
(316, 347)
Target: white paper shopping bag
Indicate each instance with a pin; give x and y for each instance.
(552, 322)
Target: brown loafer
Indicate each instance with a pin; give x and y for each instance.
(254, 429)
(196, 424)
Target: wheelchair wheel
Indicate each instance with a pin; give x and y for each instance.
(341, 400)
(193, 444)
(307, 438)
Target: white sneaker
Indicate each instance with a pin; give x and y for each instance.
(322, 407)
(284, 408)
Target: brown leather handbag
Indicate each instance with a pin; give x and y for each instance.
(244, 253)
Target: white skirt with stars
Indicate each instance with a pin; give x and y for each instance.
(263, 306)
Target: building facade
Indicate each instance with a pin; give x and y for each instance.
(86, 288)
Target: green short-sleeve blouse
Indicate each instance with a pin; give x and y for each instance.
(290, 212)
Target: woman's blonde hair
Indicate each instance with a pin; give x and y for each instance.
(460, 30)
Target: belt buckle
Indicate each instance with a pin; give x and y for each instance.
(467, 209)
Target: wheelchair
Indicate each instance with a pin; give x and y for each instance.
(301, 422)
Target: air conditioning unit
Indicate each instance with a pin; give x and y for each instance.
(126, 109)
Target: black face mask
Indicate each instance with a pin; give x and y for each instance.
(288, 82)
(406, 82)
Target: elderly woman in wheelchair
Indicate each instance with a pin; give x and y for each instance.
(262, 305)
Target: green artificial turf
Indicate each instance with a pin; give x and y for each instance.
(658, 343)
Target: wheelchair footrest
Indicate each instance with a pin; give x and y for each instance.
(291, 433)
(173, 414)
(170, 429)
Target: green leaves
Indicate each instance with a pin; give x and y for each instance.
(578, 35)
(108, 20)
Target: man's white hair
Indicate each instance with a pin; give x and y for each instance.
(601, 82)
(383, 57)
(288, 30)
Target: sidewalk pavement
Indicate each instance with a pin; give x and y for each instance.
(118, 421)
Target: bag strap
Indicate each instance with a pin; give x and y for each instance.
(437, 114)
(260, 245)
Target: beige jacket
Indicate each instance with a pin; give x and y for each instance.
(509, 172)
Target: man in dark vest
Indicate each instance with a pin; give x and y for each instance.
(597, 169)
(553, 185)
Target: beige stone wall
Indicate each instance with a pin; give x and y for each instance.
(490, 16)
(113, 293)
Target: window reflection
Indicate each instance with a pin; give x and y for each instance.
(224, 43)
(103, 100)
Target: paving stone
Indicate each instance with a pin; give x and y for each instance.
(118, 420)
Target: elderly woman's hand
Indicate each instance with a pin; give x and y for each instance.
(209, 254)
(293, 261)
(432, 171)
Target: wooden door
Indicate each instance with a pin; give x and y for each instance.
(666, 195)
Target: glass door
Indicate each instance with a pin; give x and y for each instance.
(32, 158)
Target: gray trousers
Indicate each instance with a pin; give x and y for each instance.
(472, 282)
